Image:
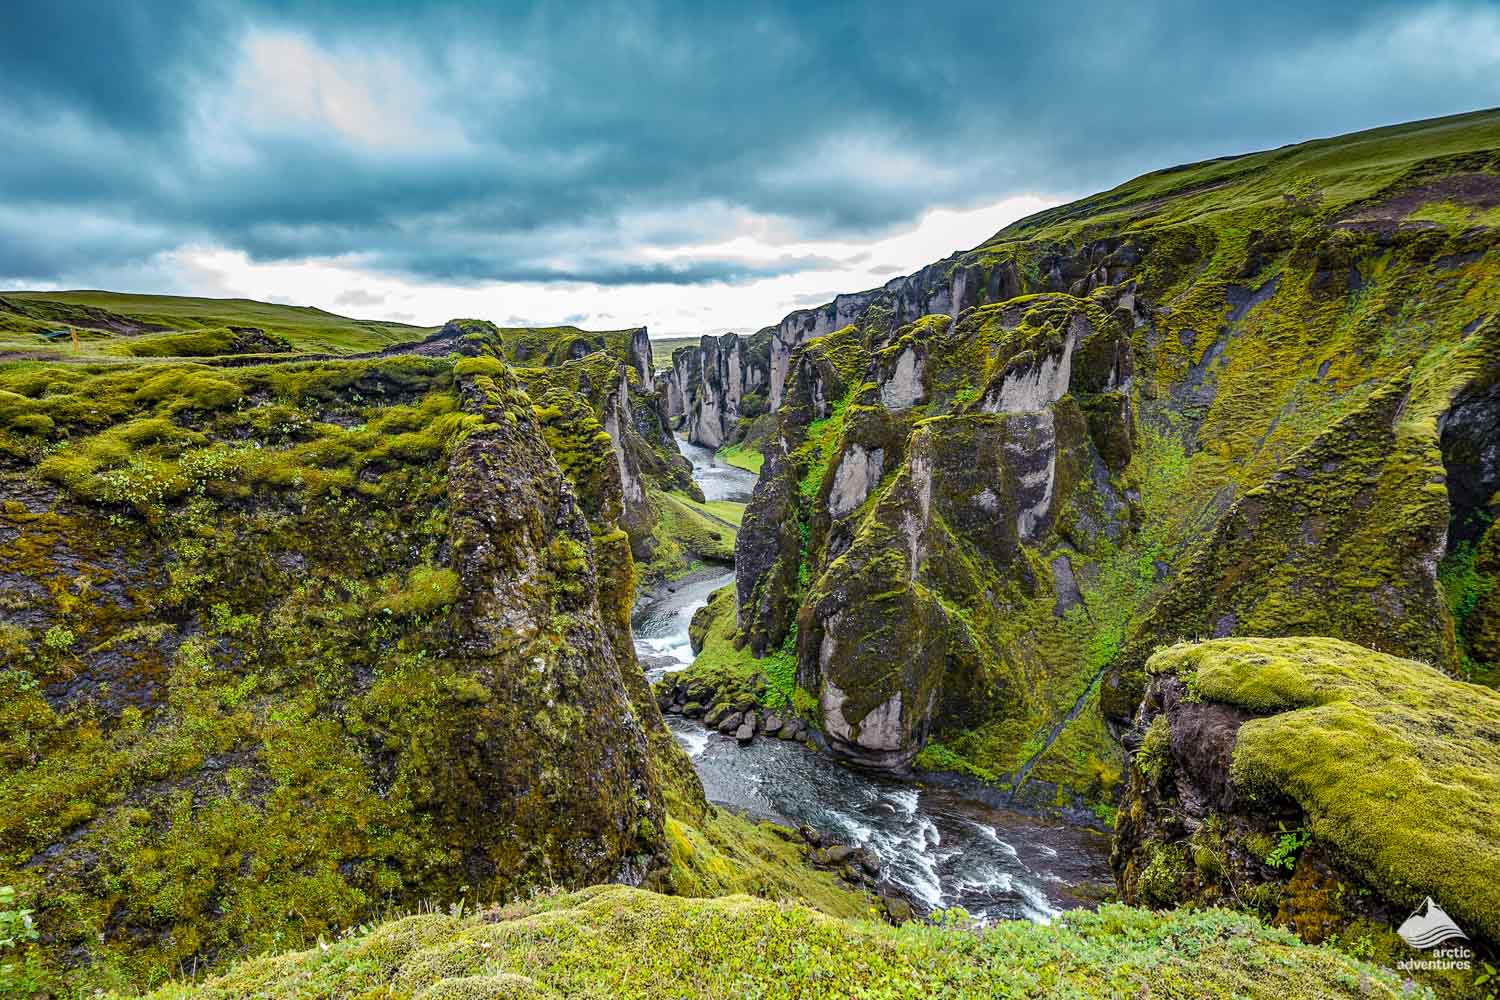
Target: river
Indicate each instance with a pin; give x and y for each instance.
(944, 848)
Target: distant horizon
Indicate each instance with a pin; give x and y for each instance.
(916, 242)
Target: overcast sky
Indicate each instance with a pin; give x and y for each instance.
(613, 165)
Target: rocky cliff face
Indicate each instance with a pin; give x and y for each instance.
(634, 415)
(1197, 406)
(732, 374)
(283, 644)
(710, 389)
(904, 300)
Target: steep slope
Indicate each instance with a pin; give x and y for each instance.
(286, 644)
(1251, 396)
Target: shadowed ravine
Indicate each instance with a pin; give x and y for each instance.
(944, 848)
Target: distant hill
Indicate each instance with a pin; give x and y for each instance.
(125, 325)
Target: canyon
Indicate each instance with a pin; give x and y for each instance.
(1157, 531)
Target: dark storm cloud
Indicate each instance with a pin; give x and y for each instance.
(555, 143)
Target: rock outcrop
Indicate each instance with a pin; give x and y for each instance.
(890, 640)
(284, 644)
(1326, 786)
(631, 411)
(713, 390)
(732, 378)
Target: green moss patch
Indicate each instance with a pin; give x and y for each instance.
(1395, 765)
(616, 942)
(742, 457)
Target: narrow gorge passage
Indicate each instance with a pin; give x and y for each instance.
(945, 848)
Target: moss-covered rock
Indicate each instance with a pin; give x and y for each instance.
(728, 389)
(1327, 785)
(288, 644)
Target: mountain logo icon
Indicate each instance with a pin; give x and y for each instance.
(1429, 926)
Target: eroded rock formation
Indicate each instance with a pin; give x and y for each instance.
(997, 484)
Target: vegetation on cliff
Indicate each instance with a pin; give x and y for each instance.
(1250, 396)
(1394, 767)
(287, 644)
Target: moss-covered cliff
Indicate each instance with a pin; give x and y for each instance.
(1323, 785)
(1246, 397)
(284, 645)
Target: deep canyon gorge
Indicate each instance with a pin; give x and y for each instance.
(1111, 607)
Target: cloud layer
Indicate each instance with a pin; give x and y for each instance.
(588, 153)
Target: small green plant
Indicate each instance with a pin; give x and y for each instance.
(780, 670)
(15, 925)
(1360, 947)
(1488, 977)
(1288, 846)
(59, 638)
(1156, 750)
(953, 918)
(16, 929)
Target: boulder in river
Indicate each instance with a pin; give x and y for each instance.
(731, 722)
(839, 853)
(772, 725)
(746, 732)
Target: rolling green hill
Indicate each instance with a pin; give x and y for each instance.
(125, 325)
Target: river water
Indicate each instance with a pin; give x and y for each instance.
(944, 848)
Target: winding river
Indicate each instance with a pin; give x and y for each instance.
(944, 848)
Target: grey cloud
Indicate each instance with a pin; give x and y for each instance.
(594, 134)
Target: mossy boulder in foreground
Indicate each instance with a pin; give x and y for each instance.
(614, 942)
(1331, 787)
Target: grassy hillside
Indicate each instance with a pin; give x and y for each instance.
(1341, 170)
(114, 323)
(662, 347)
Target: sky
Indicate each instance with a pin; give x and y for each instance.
(695, 168)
